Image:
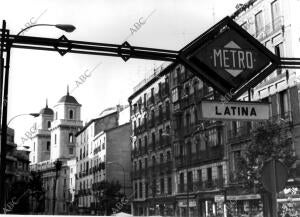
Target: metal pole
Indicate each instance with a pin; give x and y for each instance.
(187, 189)
(2, 173)
(274, 194)
(4, 125)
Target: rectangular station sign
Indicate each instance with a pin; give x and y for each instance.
(238, 110)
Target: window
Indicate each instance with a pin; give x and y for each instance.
(70, 150)
(146, 142)
(141, 190)
(48, 146)
(181, 182)
(153, 187)
(175, 95)
(275, 15)
(209, 174)
(162, 185)
(71, 138)
(135, 166)
(220, 172)
(136, 190)
(146, 189)
(190, 180)
(169, 185)
(199, 176)
(56, 116)
(283, 104)
(71, 114)
(279, 52)
(55, 139)
(103, 146)
(168, 156)
(161, 157)
(34, 146)
(146, 163)
(49, 124)
(153, 140)
(153, 161)
(259, 22)
(140, 165)
(187, 119)
(140, 145)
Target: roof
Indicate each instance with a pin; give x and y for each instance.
(93, 120)
(68, 99)
(152, 81)
(46, 111)
(242, 8)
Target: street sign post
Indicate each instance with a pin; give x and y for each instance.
(238, 110)
(229, 58)
(274, 176)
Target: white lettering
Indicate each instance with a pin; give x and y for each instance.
(241, 59)
(217, 54)
(233, 57)
(225, 58)
(249, 60)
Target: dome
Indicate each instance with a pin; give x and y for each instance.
(68, 98)
(46, 110)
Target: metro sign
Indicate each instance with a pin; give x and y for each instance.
(229, 58)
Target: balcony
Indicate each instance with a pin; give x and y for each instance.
(166, 115)
(270, 28)
(210, 154)
(240, 134)
(207, 185)
(166, 167)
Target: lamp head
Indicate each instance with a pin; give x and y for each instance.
(65, 27)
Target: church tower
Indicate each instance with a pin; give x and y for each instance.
(42, 136)
(66, 123)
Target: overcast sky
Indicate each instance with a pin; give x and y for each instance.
(37, 75)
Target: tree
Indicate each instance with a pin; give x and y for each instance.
(109, 196)
(58, 165)
(35, 185)
(19, 198)
(268, 140)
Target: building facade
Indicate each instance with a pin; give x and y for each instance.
(153, 172)
(102, 142)
(58, 128)
(274, 24)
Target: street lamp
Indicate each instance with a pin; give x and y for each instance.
(123, 173)
(32, 114)
(64, 27)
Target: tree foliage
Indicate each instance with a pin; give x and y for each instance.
(268, 140)
(109, 196)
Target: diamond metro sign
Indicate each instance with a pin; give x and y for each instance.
(229, 58)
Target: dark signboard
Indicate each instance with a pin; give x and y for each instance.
(229, 58)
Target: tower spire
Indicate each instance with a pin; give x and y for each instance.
(68, 90)
(46, 102)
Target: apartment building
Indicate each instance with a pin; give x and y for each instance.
(198, 145)
(153, 174)
(102, 142)
(275, 24)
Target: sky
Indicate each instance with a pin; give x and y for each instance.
(39, 75)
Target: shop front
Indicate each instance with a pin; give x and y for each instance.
(187, 208)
